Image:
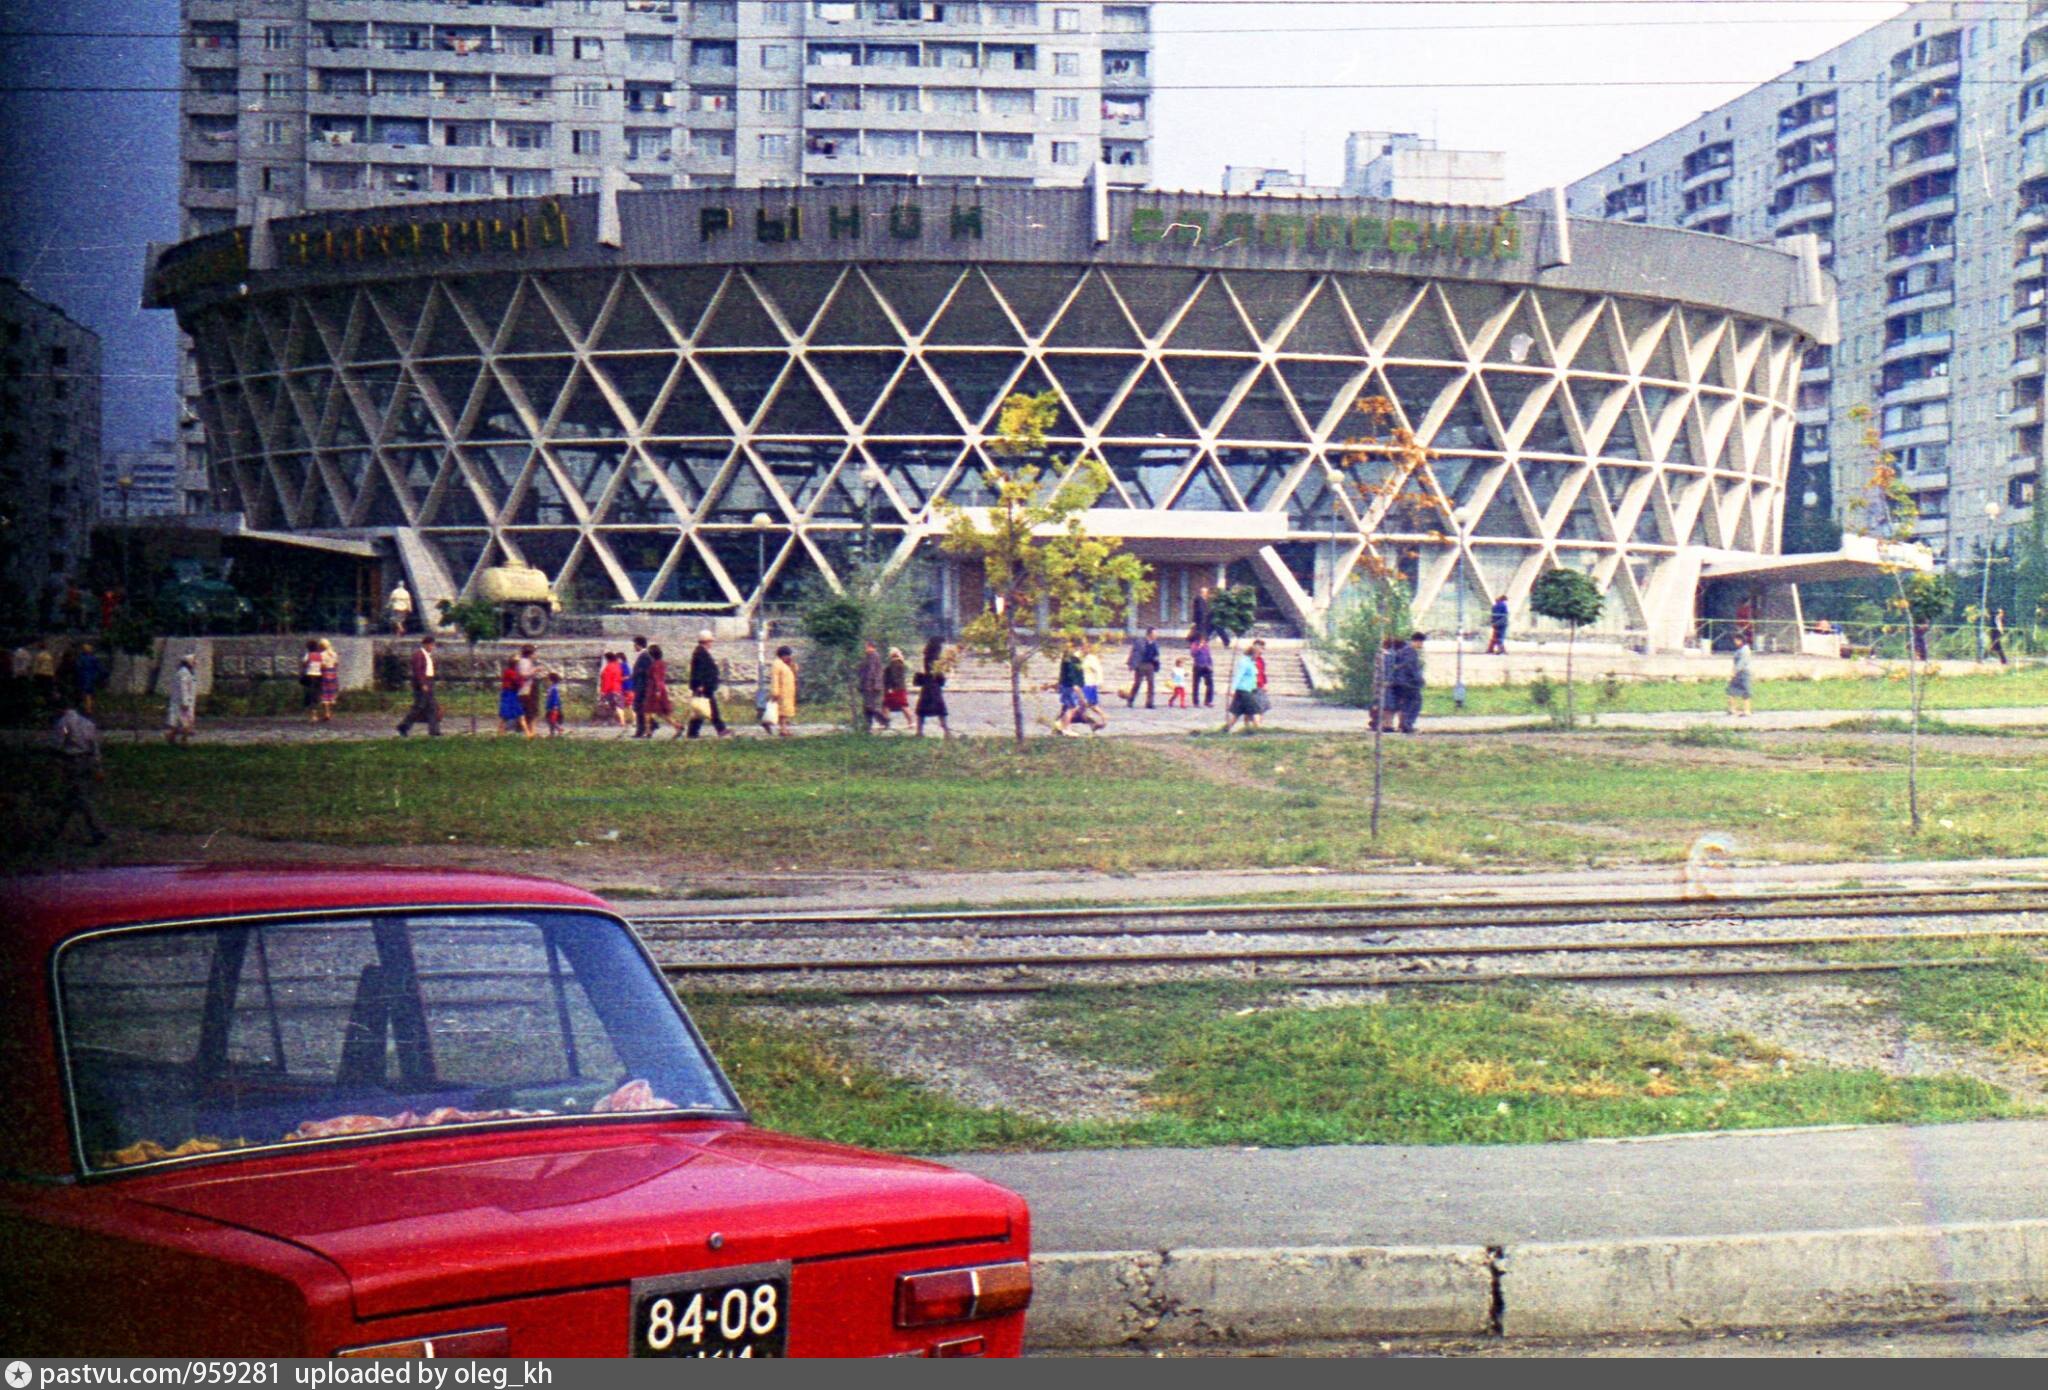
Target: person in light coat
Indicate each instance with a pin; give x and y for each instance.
(781, 704)
(181, 712)
(1741, 686)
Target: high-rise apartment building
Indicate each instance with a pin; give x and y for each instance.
(49, 447)
(1917, 153)
(332, 104)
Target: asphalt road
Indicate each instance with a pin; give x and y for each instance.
(1845, 1179)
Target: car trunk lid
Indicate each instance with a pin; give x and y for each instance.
(431, 1221)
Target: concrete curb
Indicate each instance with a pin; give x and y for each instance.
(1193, 1297)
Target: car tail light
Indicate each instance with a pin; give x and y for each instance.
(956, 1295)
(483, 1341)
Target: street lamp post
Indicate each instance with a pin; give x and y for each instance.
(761, 521)
(126, 482)
(1991, 511)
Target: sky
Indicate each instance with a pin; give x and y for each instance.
(88, 179)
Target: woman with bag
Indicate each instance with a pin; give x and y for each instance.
(1244, 691)
(660, 708)
(931, 688)
(896, 688)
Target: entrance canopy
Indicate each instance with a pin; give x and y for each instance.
(1859, 558)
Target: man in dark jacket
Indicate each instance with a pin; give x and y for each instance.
(704, 685)
(426, 706)
(869, 679)
(643, 682)
(1144, 664)
(1200, 625)
(1497, 642)
(1405, 682)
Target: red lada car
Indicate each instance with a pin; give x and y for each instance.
(395, 1113)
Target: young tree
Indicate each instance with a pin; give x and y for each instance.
(476, 619)
(1572, 598)
(1232, 611)
(1034, 548)
(1887, 511)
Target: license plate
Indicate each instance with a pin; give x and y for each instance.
(742, 1312)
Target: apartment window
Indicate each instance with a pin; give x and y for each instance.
(465, 135)
(900, 144)
(276, 178)
(949, 144)
(276, 37)
(277, 84)
(1066, 152)
(524, 135)
(1066, 64)
(706, 54)
(711, 99)
(587, 50)
(586, 142)
(712, 12)
(276, 132)
(774, 100)
(401, 178)
(1007, 146)
(712, 143)
(949, 55)
(1066, 21)
(646, 144)
(1066, 108)
(337, 178)
(776, 11)
(901, 99)
(1011, 103)
(650, 48)
(528, 183)
(835, 11)
(1013, 16)
(214, 178)
(589, 94)
(774, 145)
(774, 56)
(1123, 64)
(586, 184)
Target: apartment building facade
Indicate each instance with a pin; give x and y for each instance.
(1917, 154)
(49, 446)
(326, 105)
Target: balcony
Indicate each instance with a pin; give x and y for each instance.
(2022, 367)
(1942, 206)
(1706, 175)
(2026, 316)
(1926, 255)
(1918, 346)
(1926, 388)
(1802, 212)
(1925, 164)
(2031, 217)
(1933, 118)
(1813, 125)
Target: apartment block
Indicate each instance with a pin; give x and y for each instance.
(49, 446)
(1917, 154)
(1410, 168)
(151, 482)
(336, 104)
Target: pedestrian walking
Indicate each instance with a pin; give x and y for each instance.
(1203, 691)
(1997, 635)
(896, 688)
(1741, 685)
(91, 673)
(79, 767)
(330, 680)
(1091, 687)
(931, 688)
(1497, 642)
(552, 709)
(704, 680)
(611, 690)
(1177, 684)
(426, 703)
(1408, 681)
(1067, 683)
(1199, 626)
(1265, 698)
(1244, 691)
(658, 707)
(399, 606)
(1143, 663)
(311, 668)
(1920, 634)
(529, 690)
(641, 670)
(181, 710)
(869, 682)
(781, 706)
(511, 711)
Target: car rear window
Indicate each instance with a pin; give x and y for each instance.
(188, 1041)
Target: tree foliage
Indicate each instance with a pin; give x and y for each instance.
(1566, 596)
(1929, 598)
(476, 619)
(1232, 611)
(873, 606)
(1373, 610)
(1034, 550)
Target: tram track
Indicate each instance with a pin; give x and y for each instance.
(948, 953)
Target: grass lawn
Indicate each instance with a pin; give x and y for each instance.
(1232, 1065)
(2019, 685)
(1278, 801)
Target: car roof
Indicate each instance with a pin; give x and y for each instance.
(41, 911)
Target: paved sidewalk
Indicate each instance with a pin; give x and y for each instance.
(1723, 1184)
(982, 715)
(1783, 1229)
